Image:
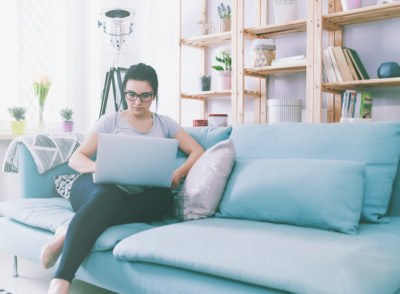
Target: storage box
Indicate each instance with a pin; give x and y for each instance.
(284, 110)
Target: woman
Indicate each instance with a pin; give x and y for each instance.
(99, 206)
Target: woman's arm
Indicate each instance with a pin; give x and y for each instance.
(80, 159)
(193, 149)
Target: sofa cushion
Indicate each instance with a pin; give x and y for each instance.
(51, 213)
(205, 182)
(325, 194)
(290, 258)
(375, 144)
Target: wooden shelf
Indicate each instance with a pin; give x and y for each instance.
(359, 85)
(262, 72)
(277, 29)
(208, 40)
(215, 94)
(366, 14)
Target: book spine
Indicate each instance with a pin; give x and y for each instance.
(366, 105)
(336, 70)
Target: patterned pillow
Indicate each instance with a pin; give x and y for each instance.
(64, 183)
(205, 182)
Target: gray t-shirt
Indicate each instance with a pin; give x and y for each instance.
(114, 123)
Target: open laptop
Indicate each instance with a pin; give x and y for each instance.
(135, 160)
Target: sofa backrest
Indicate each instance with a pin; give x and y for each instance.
(375, 144)
(35, 185)
(394, 207)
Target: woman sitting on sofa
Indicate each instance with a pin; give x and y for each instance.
(95, 209)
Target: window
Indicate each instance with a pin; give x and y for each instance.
(34, 40)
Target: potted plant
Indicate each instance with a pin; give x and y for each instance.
(17, 126)
(225, 17)
(224, 77)
(68, 124)
(205, 83)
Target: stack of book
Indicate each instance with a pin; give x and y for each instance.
(341, 64)
(356, 104)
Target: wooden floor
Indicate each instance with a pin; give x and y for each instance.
(33, 279)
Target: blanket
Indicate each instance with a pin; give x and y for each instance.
(48, 150)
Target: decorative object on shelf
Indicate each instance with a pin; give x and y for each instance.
(224, 76)
(41, 86)
(284, 10)
(380, 2)
(200, 123)
(68, 124)
(205, 83)
(284, 110)
(225, 17)
(350, 4)
(206, 28)
(389, 70)
(17, 126)
(289, 60)
(218, 120)
(262, 52)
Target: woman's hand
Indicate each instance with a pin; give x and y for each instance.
(176, 179)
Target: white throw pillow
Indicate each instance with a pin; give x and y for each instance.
(205, 182)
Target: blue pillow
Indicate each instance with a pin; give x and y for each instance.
(208, 136)
(324, 194)
(376, 144)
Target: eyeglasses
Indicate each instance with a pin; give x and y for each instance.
(144, 97)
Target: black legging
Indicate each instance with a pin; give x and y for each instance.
(98, 207)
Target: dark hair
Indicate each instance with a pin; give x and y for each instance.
(143, 72)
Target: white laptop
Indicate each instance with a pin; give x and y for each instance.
(135, 160)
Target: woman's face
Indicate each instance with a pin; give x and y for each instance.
(139, 97)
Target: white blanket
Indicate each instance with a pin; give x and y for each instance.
(48, 150)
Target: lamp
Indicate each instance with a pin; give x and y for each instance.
(117, 24)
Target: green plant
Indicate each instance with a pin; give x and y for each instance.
(66, 114)
(224, 12)
(17, 112)
(225, 59)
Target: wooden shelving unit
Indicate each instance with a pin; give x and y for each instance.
(272, 30)
(208, 40)
(215, 94)
(314, 24)
(262, 72)
(360, 85)
(334, 22)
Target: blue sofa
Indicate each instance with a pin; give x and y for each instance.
(308, 208)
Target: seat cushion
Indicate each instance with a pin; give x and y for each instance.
(51, 213)
(290, 258)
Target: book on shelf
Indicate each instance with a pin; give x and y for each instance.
(350, 64)
(358, 65)
(336, 70)
(356, 104)
(342, 64)
(327, 63)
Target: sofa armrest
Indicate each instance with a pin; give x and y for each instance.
(33, 184)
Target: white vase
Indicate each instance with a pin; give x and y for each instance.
(284, 10)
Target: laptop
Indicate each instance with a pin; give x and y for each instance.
(135, 160)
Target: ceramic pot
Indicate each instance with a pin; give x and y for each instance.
(224, 80)
(205, 83)
(350, 4)
(284, 10)
(68, 126)
(225, 24)
(18, 127)
(389, 70)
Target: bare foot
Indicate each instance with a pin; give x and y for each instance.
(58, 286)
(52, 250)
